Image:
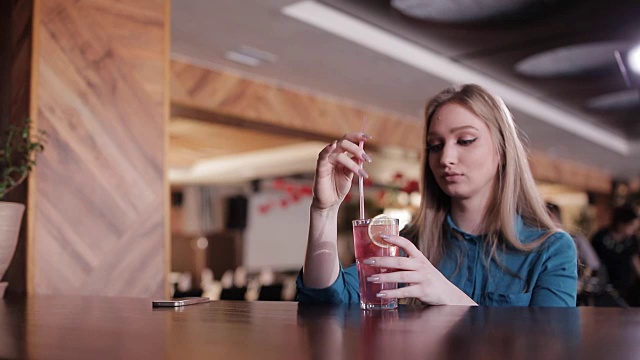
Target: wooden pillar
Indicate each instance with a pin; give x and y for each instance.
(100, 207)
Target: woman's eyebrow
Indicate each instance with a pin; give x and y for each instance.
(453, 130)
(464, 127)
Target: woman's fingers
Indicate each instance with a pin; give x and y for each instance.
(393, 262)
(356, 137)
(344, 160)
(350, 144)
(330, 157)
(345, 153)
(324, 154)
(345, 145)
(408, 277)
(406, 245)
(412, 291)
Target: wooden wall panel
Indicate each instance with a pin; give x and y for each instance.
(231, 94)
(193, 140)
(101, 189)
(578, 176)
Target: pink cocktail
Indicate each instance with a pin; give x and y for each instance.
(366, 248)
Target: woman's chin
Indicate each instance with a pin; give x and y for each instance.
(452, 190)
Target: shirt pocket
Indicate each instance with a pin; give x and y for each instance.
(498, 299)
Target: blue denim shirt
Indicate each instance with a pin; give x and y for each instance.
(546, 276)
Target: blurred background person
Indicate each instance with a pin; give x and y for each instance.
(590, 279)
(588, 260)
(617, 247)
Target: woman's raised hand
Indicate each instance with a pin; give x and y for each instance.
(337, 163)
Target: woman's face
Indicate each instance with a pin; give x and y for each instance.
(462, 153)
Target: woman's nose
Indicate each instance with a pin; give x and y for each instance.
(448, 156)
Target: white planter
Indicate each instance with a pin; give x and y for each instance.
(10, 221)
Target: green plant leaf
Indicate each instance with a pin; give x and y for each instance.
(18, 154)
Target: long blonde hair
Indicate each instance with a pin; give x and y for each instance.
(515, 191)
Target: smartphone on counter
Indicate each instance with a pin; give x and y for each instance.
(180, 302)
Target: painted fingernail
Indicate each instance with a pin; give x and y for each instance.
(369, 262)
(373, 278)
(363, 173)
(381, 295)
(366, 157)
(385, 236)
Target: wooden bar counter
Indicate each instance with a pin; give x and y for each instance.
(67, 327)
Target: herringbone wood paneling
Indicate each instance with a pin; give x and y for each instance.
(99, 220)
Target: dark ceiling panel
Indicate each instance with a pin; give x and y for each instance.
(495, 47)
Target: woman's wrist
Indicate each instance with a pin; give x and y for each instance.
(455, 296)
(324, 211)
(460, 298)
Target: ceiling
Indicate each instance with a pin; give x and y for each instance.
(549, 59)
(569, 42)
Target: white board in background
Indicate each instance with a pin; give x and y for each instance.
(277, 238)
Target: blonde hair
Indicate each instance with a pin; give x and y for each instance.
(515, 191)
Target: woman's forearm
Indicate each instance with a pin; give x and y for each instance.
(321, 264)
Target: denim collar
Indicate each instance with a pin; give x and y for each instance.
(518, 222)
(465, 235)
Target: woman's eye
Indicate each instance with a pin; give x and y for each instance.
(434, 147)
(466, 142)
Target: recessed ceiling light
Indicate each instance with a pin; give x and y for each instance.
(571, 60)
(620, 100)
(459, 10)
(250, 56)
(258, 54)
(242, 58)
(634, 59)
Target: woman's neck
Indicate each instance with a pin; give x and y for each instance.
(469, 214)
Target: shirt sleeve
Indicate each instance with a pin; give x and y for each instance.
(558, 279)
(343, 291)
(586, 253)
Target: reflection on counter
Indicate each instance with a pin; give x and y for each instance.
(266, 285)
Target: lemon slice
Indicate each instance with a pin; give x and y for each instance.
(381, 224)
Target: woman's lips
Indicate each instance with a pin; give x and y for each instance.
(451, 177)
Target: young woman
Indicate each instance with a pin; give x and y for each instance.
(482, 235)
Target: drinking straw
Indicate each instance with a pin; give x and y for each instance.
(360, 178)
